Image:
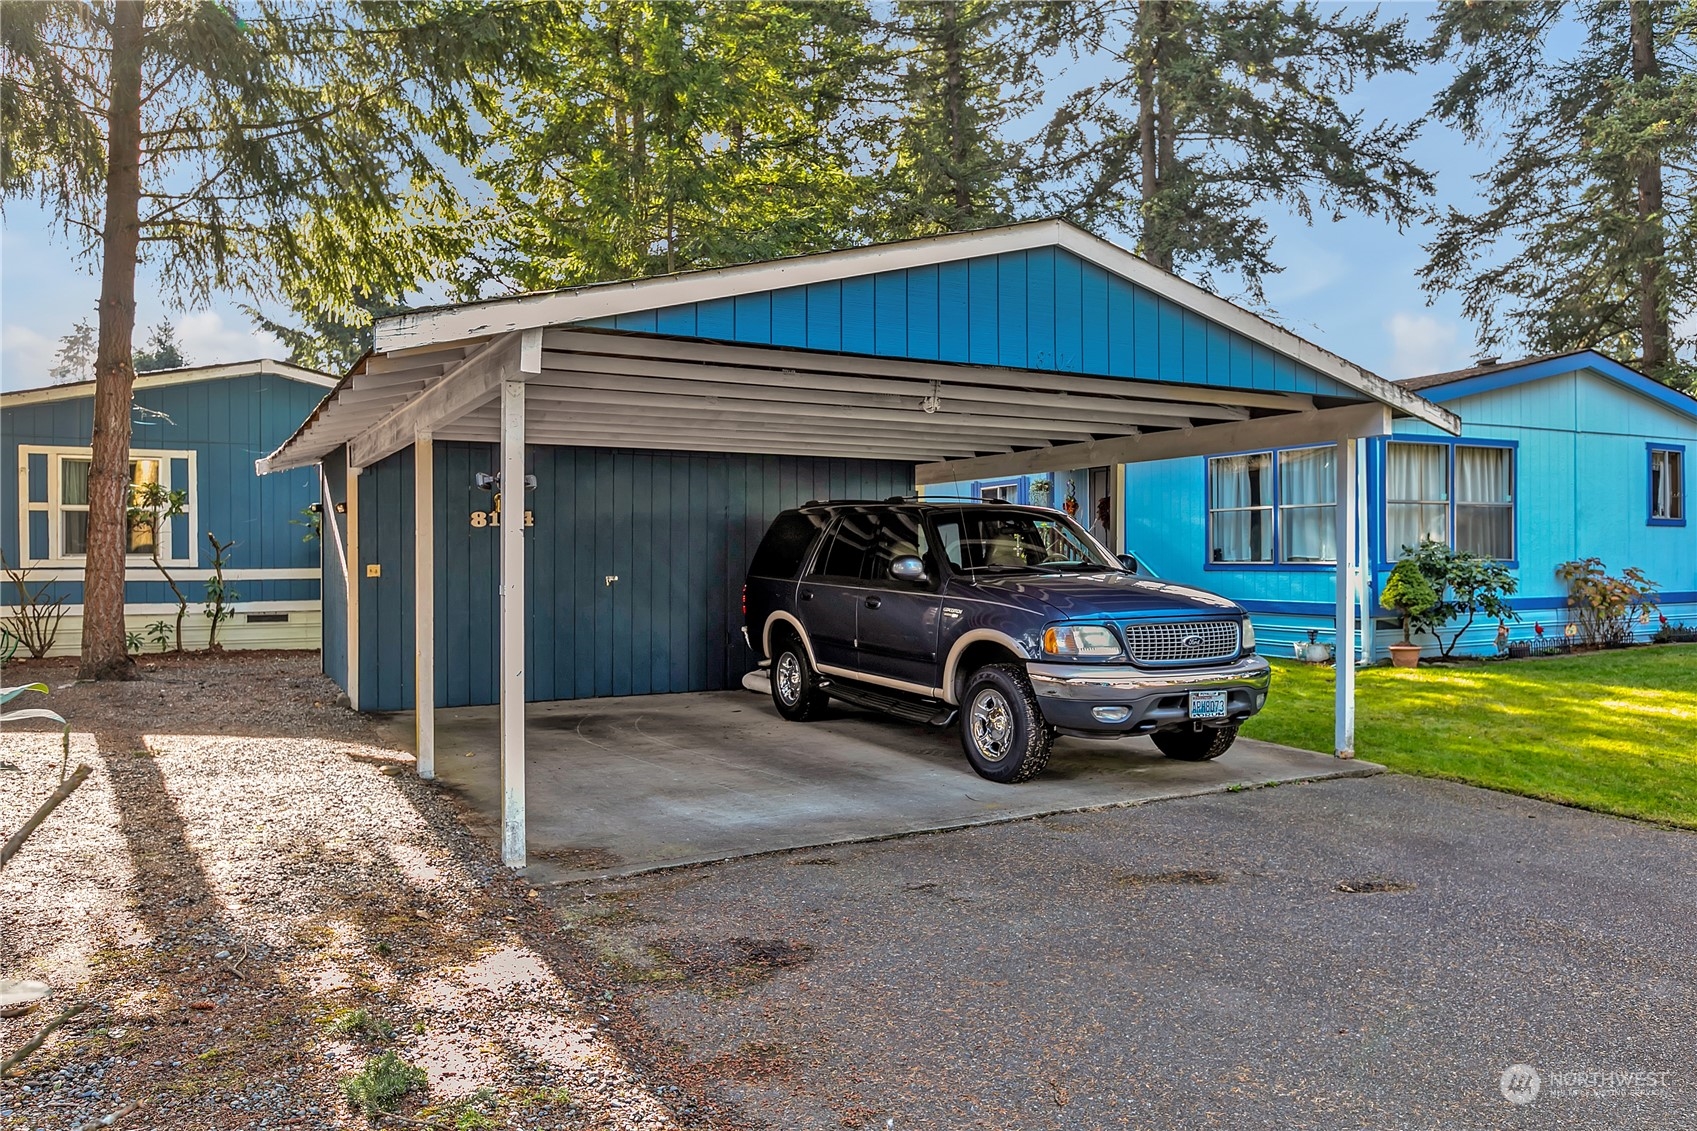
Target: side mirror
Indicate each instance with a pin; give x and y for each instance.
(908, 568)
(1129, 562)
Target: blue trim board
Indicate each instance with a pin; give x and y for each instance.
(1552, 367)
(1277, 565)
(1536, 604)
(1651, 449)
(1378, 502)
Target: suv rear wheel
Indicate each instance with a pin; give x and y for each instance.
(1003, 730)
(795, 685)
(1190, 745)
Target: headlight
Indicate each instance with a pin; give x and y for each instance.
(1248, 641)
(1081, 641)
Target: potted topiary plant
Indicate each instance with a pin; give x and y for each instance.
(1410, 596)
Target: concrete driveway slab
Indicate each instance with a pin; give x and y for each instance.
(619, 786)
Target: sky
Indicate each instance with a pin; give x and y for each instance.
(1351, 286)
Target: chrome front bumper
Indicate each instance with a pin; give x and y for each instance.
(1071, 695)
(1115, 684)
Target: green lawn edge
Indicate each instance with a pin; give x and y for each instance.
(1612, 731)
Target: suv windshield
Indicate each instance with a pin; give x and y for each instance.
(998, 540)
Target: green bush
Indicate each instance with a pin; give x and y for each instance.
(1465, 585)
(1409, 594)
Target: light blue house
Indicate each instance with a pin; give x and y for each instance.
(1559, 458)
(198, 430)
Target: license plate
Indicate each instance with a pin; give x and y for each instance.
(1207, 704)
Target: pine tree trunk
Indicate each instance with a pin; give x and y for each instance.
(1157, 144)
(1652, 315)
(105, 654)
(954, 110)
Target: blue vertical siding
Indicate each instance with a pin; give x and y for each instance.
(333, 554)
(228, 423)
(676, 529)
(1041, 309)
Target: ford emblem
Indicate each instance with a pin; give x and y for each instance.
(1192, 641)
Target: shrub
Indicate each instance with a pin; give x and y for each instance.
(1409, 593)
(1604, 607)
(1466, 585)
(361, 1023)
(379, 1086)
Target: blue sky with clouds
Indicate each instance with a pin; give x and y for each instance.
(1350, 286)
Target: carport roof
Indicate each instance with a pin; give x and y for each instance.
(605, 365)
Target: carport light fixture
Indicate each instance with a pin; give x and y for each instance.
(487, 482)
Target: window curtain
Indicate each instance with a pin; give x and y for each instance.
(73, 492)
(1667, 483)
(1484, 501)
(1308, 505)
(1240, 508)
(1416, 496)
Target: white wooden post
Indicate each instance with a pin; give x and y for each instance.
(424, 603)
(1117, 509)
(355, 571)
(1343, 741)
(512, 624)
(1364, 552)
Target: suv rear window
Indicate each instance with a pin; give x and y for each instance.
(786, 544)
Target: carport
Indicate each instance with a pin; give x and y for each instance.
(689, 408)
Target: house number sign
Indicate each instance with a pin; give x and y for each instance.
(492, 517)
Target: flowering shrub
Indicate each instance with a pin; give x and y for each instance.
(1603, 607)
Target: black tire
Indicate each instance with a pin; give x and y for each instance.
(1003, 730)
(1188, 745)
(795, 685)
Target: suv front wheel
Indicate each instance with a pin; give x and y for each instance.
(1198, 745)
(1005, 735)
(795, 685)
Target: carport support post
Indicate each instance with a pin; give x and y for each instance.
(1343, 740)
(512, 624)
(424, 603)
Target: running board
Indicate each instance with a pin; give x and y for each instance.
(932, 714)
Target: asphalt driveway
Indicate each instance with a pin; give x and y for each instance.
(1357, 953)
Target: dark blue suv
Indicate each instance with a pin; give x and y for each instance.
(1012, 618)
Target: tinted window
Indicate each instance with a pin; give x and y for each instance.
(786, 544)
(845, 554)
(986, 538)
(899, 536)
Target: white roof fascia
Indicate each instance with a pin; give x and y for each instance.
(163, 377)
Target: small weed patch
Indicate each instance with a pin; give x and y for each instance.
(361, 1023)
(379, 1086)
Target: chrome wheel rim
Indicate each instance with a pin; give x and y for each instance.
(992, 725)
(788, 679)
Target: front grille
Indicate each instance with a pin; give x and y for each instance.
(1186, 642)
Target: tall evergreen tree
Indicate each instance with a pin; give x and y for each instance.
(289, 142)
(658, 135)
(330, 342)
(162, 350)
(75, 358)
(1211, 111)
(1587, 237)
(962, 70)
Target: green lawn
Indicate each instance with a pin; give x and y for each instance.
(1613, 731)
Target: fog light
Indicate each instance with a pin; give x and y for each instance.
(1111, 714)
(1260, 700)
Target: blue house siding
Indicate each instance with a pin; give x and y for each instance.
(676, 529)
(226, 422)
(1040, 309)
(1581, 484)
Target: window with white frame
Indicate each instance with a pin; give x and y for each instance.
(999, 492)
(1240, 508)
(1667, 485)
(63, 501)
(1459, 495)
(1308, 504)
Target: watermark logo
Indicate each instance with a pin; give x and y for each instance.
(1520, 1084)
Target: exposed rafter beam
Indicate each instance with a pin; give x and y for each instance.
(1002, 401)
(764, 357)
(1317, 427)
(469, 384)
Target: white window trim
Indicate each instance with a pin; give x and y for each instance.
(53, 508)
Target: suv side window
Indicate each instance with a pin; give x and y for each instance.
(845, 552)
(786, 544)
(899, 535)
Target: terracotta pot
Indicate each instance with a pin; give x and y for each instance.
(1405, 655)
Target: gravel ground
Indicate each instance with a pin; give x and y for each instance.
(1357, 954)
(246, 866)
